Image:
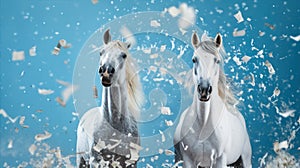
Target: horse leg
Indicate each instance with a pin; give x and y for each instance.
(246, 155)
(220, 162)
(83, 163)
(187, 162)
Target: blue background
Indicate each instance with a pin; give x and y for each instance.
(25, 24)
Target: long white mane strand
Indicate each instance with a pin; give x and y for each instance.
(134, 86)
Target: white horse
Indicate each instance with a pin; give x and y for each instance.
(211, 132)
(107, 136)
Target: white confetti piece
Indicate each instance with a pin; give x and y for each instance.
(263, 160)
(154, 23)
(169, 123)
(99, 146)
(169, 152)
(32, 149)
(260, 33)
(45, 91)
(173, 11)
(32, 51)
(296, 38)
(163, 48)
(278, 146)
(288, 113)
(239, 17)
(117, 142)
(237, 60)
(153, 56)
(270, 67)
(246, 58)
(18, 55)
(10, 144)
(252, 79)
(41, 137)
(22, 119)
(147, 50)
(238, 33)
(165, 111)
(163, 138)
(5, 115)
(61, 43)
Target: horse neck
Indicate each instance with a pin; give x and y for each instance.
(208, 112)
(114, 102)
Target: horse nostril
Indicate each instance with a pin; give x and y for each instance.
(199, 89)
(209, 89)
(112, 70)
(100, 70)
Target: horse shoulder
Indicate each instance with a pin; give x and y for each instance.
(85, 133)
(177, 135)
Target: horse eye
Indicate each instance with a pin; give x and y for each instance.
(123, 55)
(101, 52)
(194, 60)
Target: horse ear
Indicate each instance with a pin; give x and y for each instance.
(195, 40)
(106, 37)
(218, 40)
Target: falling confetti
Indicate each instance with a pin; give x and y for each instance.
(238, 33)
(154, 23)
(45, 91)
(238, 16)
(61, 43)
(165, 111)
(41, 137)
(32, 51)
(18, 55)
(296, 38)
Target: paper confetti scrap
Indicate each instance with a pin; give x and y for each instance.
(270, 67)
(238, 16)
(288, 113)
(32, 149)
(41, 137)
(154, 23)
(272, 27)
(99, 146)
(45, 91)
(61, 43)
(173, 11)
(296, 38)
(163, 138)
(10, 144)
(165, 111)
(5, 115)
(32, 51)
(18, 55)
(169, 122)
(238, 33)
(237, 60)
(246, 58)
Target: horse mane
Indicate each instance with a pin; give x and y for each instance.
(224, 86)
(134, 86)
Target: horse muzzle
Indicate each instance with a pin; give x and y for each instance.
(106, 72)
(204, 93)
